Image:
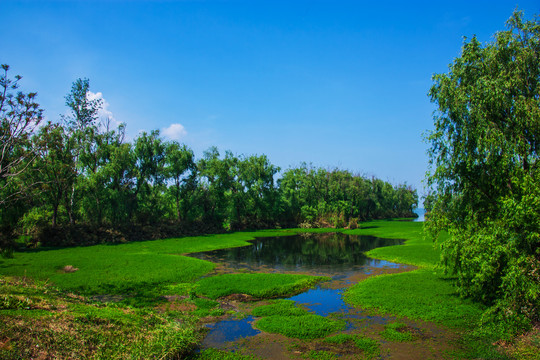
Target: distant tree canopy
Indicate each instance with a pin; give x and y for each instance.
(78, 172)
(485, 169)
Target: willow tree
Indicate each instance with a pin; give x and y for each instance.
(484, 169)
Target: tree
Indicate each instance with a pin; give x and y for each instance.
(95, 155)
(20, 115)
(81, 125)
(484, 170)
(149, 152)
(179, 160)
(84, 110)
(54, 167)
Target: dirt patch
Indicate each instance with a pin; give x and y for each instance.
(5, 344)
(239, 297)
(177, 306)
(69, 269)
(106, 298)
(270, 346)
(173, 298)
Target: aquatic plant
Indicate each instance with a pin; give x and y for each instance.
(307, 326)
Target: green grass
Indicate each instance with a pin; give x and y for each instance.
(370, 348)
(426, 293)
(420, 294)
(308, 326)
(54, 325)
(258, 285)
(207, 307)
(64, 325)
(124, 268)
(397, 331)
(279, 307)
(39, 321)
(214, 354)
(418, 250)
(286, 318)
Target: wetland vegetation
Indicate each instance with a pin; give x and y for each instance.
(74, 195)
(172, 307)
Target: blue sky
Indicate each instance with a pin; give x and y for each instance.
(333, 83)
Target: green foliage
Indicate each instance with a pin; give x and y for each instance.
(336, 197)
(20, 116)
(397, 331)
(257, 284)
(308, 326)
(484, 171)
(84, 174)
(34, 220)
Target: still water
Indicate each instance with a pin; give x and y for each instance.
(329, 254)
(337, 255)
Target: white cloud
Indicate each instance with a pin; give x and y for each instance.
(104, 113)
(174, 132)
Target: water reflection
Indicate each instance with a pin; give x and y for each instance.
(229, 330)
(323, 301)
(337, 255)
(325, 253)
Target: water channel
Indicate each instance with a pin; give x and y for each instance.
(337, 255)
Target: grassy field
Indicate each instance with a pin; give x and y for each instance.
(417, 251)
(424, 294)
(52, 300)
(38, 321)
(124, 268)
(146, 299)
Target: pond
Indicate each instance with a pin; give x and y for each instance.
(337, 255)
(332, 254)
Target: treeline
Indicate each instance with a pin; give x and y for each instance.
(78, 181)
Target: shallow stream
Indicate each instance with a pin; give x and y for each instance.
(337, 255)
